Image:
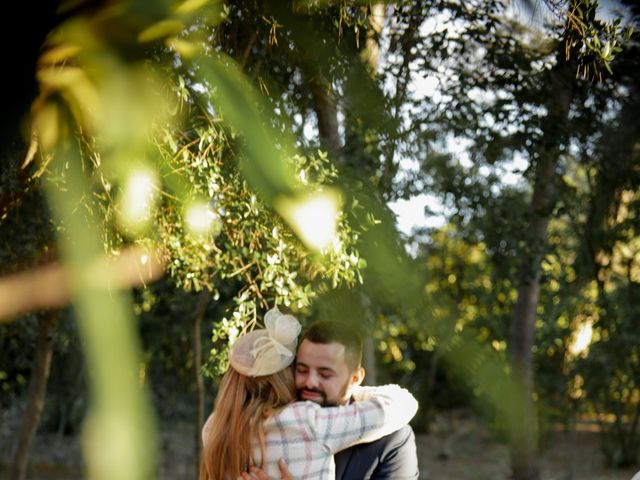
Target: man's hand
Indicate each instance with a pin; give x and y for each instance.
(257, 474)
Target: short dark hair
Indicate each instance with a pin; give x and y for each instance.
(324, 331)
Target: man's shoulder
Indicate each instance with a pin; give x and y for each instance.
(393, 456)
(398, 439)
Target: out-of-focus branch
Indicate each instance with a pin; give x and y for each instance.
(49, 286)
(591, 40)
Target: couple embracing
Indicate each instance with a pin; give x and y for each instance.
(308, 410)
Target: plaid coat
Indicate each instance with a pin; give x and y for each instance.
(307, 435)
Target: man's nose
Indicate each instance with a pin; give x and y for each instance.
(312, 380)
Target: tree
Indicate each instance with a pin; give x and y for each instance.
(506, 92)
(209, 104)
(606, 374)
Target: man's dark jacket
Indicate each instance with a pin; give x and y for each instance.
(393, 457)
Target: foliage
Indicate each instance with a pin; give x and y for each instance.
(498, 108)
(200, 168)
(131, 153)
(594, 42)
(219, 110)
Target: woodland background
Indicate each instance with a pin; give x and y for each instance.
(170, 170)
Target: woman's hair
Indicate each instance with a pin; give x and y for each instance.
(242, 405)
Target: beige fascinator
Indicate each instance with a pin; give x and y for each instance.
(266, 351)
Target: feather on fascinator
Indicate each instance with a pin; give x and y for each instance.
(266, 350)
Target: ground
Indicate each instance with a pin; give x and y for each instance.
(460, 447)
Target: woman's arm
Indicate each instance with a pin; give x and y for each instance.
(374, 413)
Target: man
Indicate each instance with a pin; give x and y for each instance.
(328, 366)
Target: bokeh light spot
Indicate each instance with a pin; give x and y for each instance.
(201, 220)
(313, 217)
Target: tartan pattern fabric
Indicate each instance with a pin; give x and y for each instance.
(307, 435)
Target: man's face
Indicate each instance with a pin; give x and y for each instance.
(322, 374)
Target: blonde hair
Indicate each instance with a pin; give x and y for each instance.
(242, 405)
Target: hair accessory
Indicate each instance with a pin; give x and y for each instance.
(266, 350)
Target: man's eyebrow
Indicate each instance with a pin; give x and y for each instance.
(321, 369)
(327, 369)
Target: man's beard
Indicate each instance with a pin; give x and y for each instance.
(325, 401)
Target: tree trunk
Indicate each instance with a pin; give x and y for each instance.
(369, 356)
(371, 54)
(524, 422)
(327, 114)
(326, 109)
(324, 100)
(35, 396)
(198, 315)
(324, 105)
(524, 451)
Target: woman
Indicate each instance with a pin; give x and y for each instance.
(256, 420)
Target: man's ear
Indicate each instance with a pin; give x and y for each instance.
(358, 376)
